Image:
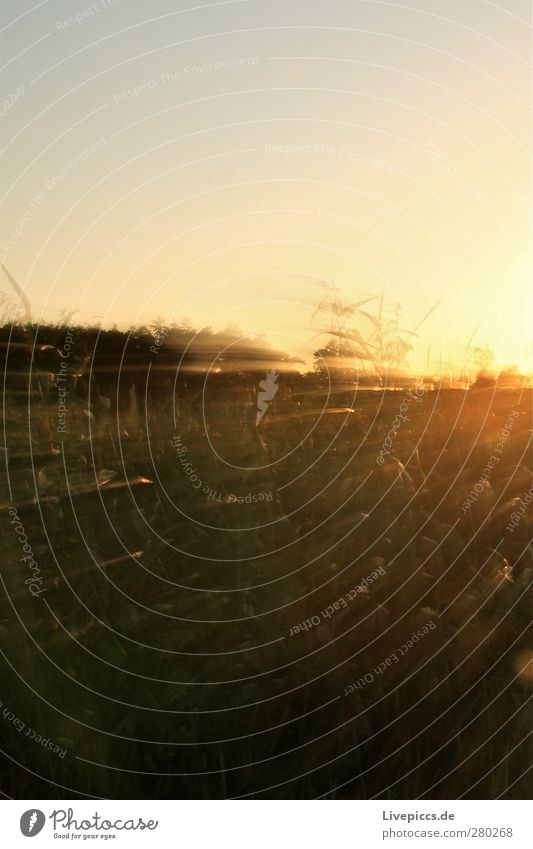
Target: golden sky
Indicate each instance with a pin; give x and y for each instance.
(220, 160)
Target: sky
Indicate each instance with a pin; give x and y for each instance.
(222, 160)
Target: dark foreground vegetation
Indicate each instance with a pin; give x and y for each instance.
(210, 608)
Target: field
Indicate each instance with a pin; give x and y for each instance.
(333, 602)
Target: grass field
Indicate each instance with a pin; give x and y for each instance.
(336, 601)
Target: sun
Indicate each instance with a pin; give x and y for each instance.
(508, 329)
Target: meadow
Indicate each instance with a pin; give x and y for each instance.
(335, 602)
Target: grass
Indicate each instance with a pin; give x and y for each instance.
(160, 654)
